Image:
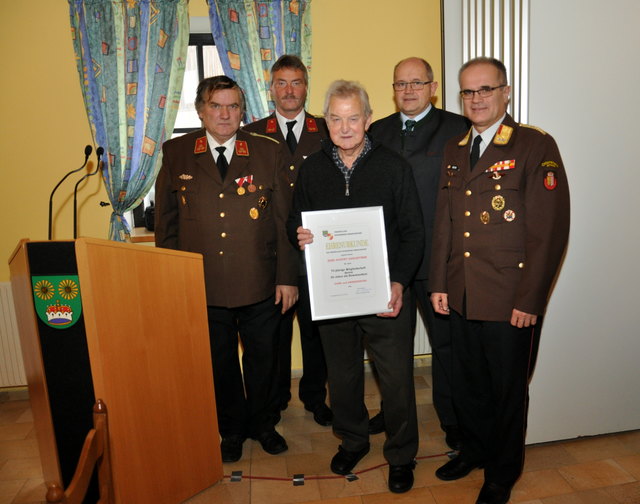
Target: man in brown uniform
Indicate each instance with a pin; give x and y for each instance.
(221, 192)
(502, 224)
(300, 134)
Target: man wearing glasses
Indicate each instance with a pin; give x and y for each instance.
(419, 132)
(501, 227)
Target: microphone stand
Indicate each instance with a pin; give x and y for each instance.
(99, 152)
(87, 153)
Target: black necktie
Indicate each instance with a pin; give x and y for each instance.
(222, 163)
(409, 124)
(475, 152)
(291, 138)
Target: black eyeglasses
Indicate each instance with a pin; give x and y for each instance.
(415, 85)
(483, 92)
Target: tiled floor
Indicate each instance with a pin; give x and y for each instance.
(599, 470)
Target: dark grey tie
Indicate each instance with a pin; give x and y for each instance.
(409, 124)
(222, 163)
(475, 152)
(291, 138)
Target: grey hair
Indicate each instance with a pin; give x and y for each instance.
(347, 89)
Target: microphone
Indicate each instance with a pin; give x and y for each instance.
(99, 153)
(87, 153)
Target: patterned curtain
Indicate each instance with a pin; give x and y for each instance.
(251, 35)
(131, 57)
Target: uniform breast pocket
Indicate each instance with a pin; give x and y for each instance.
(186, 199)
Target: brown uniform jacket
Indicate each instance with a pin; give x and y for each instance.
(241, 236)
(501, 230)
(313, 131)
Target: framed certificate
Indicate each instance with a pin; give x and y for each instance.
(347, 265)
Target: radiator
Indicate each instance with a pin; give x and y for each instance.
(11, 364)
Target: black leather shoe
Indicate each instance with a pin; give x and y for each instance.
(490, 493)
(272, 442)
(321, 414)
(231, 448)
(401, 477)
(453, 436)
(455, 469)
(344, 461)
(376, 423)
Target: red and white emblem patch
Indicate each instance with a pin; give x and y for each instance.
(550, 180)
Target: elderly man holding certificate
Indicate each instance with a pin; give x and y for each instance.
(352, 172)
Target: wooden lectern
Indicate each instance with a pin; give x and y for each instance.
(141, 344)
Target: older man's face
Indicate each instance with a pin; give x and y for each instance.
(347, 123)
(221, 114)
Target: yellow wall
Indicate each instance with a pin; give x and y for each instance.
(44, 126)
(363, 39)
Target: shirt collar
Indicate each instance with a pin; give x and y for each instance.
(229, 144)
(297, 127)
(487, 135)
(419, 117)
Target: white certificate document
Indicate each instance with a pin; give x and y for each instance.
(347, 265)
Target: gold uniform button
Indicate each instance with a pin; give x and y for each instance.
(467, 254)
(221, 214)
(498, 187)
(221, 253)
(292, 167)
(520, 265)
(183, 188)
(224, 235)
(467, 213)
(291, 184)
(467, 234)
(221, 195)
(468, 192)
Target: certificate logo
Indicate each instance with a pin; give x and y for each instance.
(327, 234)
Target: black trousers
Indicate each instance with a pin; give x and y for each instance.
(439, 332)
(493, 363)
(390, 344)
(245, 397)
(312, 389)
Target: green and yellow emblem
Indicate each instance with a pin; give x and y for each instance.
(57, 300)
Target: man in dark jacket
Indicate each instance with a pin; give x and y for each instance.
(419, 132)
(352, 171)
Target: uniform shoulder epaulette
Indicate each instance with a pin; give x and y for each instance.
(465, 139)
(262, 136)
(539, 130)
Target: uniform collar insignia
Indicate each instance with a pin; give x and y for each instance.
(272, 125)
(185, 176)
(312, 127)
(503, 135)
(201, 145)
(465, 140)
(242, 149)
